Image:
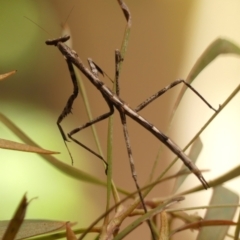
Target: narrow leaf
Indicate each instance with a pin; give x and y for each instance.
(5, 75)
(110, 184)
(16, 221)
(65, 168)
(235, 172)
(185, 217)
(7, 144)
(164, 227)
(205, 223)
(146, 216)
(60, 235)
(73, 172)
(215, 49)
(33, 227)
(232, 173)
(221, 195)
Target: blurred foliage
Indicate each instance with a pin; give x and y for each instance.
(220, 211)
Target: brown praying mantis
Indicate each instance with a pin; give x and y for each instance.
(115, 102)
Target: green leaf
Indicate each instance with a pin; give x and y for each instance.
(146, 216)
(221, 195)
(215, 49)
(11, 230)
(7, 144)
(67, 169)
(111, 188)
(235, 172)
(204, 223)
(227, 176)
(34, 227)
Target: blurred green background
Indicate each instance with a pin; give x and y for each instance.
(33, 99)
(166, 39)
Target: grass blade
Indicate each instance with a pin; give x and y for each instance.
(7, 144)
(215, 49)
(221, 195)
(16, 221)
(33, 227)
(145, 217)
(5, 75)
